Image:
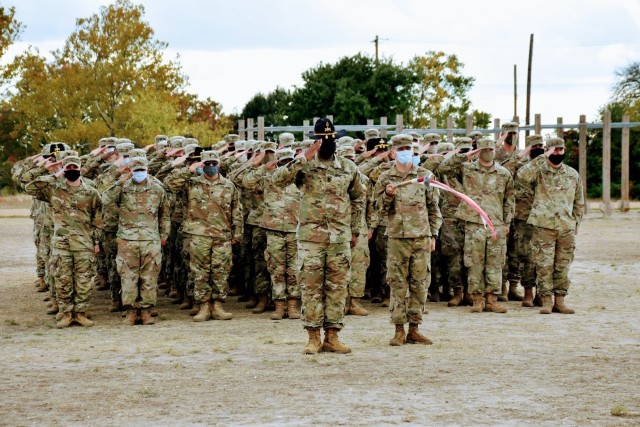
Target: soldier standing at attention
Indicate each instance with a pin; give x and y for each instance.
(75, 209)
(414, 220)
(557, 210)
(139, 205)
(328, 226)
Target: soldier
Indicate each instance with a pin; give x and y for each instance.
(286, 140)
(213, 222)
(491, 186)
(75, 208)
(139, 205)
(412, 228)
(558, 207)
(332, 198)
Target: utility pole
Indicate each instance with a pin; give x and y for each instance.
(376, 41)
(515, 90)
(529, 83)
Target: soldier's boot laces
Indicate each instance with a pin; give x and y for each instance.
(131, 317)
(415, 337)
(399, 337)
(53, 309)
(513, 294)
(280, 311)
(492, 304)
(503, 296)
(559, 307)
(82, 320)
(65, 320)
(478, 303)
(204, 314)
(314, 345)
(356, 309)
(115, 306)
(547, 303)
(263, 301)
(527, 301)
(146, 318)
(292, 309)
(458, 295)
(332, 342)
(218, 313)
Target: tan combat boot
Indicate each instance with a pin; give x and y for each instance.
(513, 294)
(478, 303)
(101, 283)
(332, 342)
(492, 304)
(53, 309)
(280, 311)
(115, 306)
(458, 295)
(385, 302)
(547, 304)
(187, 304)
(559, 307)
(314, 346)
(59, 315)
(527, 301)
(146, 318)
(399, 337)
(194, 310)
(415, 337)
(263, 301)
(502, 297)
(65, 321)
(204, 314)
(355, 308)
(82, 320)
(131, 318)
(42, 286)
(38, 282)
(218, 313)
(252, 302)
(292, 309)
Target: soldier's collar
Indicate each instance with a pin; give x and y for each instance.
(324, 164)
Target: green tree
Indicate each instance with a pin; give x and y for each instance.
(10, 29)
(275, 107)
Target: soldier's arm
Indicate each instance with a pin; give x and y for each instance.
(40, 188)
(433, 206)
(451, 166)
(236, 176)
(96, 218)
(381, 199)
(358, 196)
(164, 171)
(164, 218)
(254, 178)
(287, 174)
(29, 174)
(578, 202)
(178, 180)
(509, 202)
(110, 199)
(237, 222)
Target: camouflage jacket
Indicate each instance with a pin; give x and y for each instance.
(432, 163)
(558, 200)
(40, 210)
(413, 212)
(491, 188)
(252, 198)
(91, 168)
(449, 202)
(509, 161)
(332, 198)
(523, 193)
(141, 211)
(213, 207)
(74, 210)
(281, 205)
(374, 175)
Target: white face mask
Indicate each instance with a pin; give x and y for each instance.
(139, 176)
(404, 156)
(125, 161)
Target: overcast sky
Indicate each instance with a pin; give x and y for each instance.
(231, 50)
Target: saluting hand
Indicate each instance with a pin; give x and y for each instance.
(311, 151)
(195, 166)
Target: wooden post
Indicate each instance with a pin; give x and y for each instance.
(369, 122)
(606, 165)
(516, 119)
(399, 123)
(383, 131)
(469, 123)
(582, 159)
(261, 128)
(624, 182)
(304, 132)
(559, 130)
(250, 131)
(241, 130)
(450, 129)
(496, 126)
(433, 124)
(529, 83)
(315, 119)
(537, 126)
(330, 117)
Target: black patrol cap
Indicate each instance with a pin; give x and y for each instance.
(379, 143)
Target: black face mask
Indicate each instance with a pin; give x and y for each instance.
(327, 148)
(535, 152)
(556, 159)
(72, 174)
(509, 139)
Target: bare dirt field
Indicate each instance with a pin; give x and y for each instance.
(484, 369)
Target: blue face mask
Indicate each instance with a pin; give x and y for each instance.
(416, 160)
(139, 176)
(211, 170)
(199, 170)
(404, 156)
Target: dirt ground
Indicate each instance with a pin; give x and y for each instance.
(484, 369)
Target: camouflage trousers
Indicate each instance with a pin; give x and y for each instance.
(324, 272)
(262, 284)
(110, 246)
(41, 259)
(139, 267)
(509, 273)
(381, 249)
(209, 266)
(452, 250)
(521, 266)
(102, 268)
(552, 252)
(180, 274)
(73, 271)
(484, 257)
(246, 271)
(44, 248)
(408, 275)
(282, 257)
(359, 264)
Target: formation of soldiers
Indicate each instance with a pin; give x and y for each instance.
(305, 228)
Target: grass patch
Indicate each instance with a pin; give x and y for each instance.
(11, 322)
(147, 392)
(619, 411)
(72, 360)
